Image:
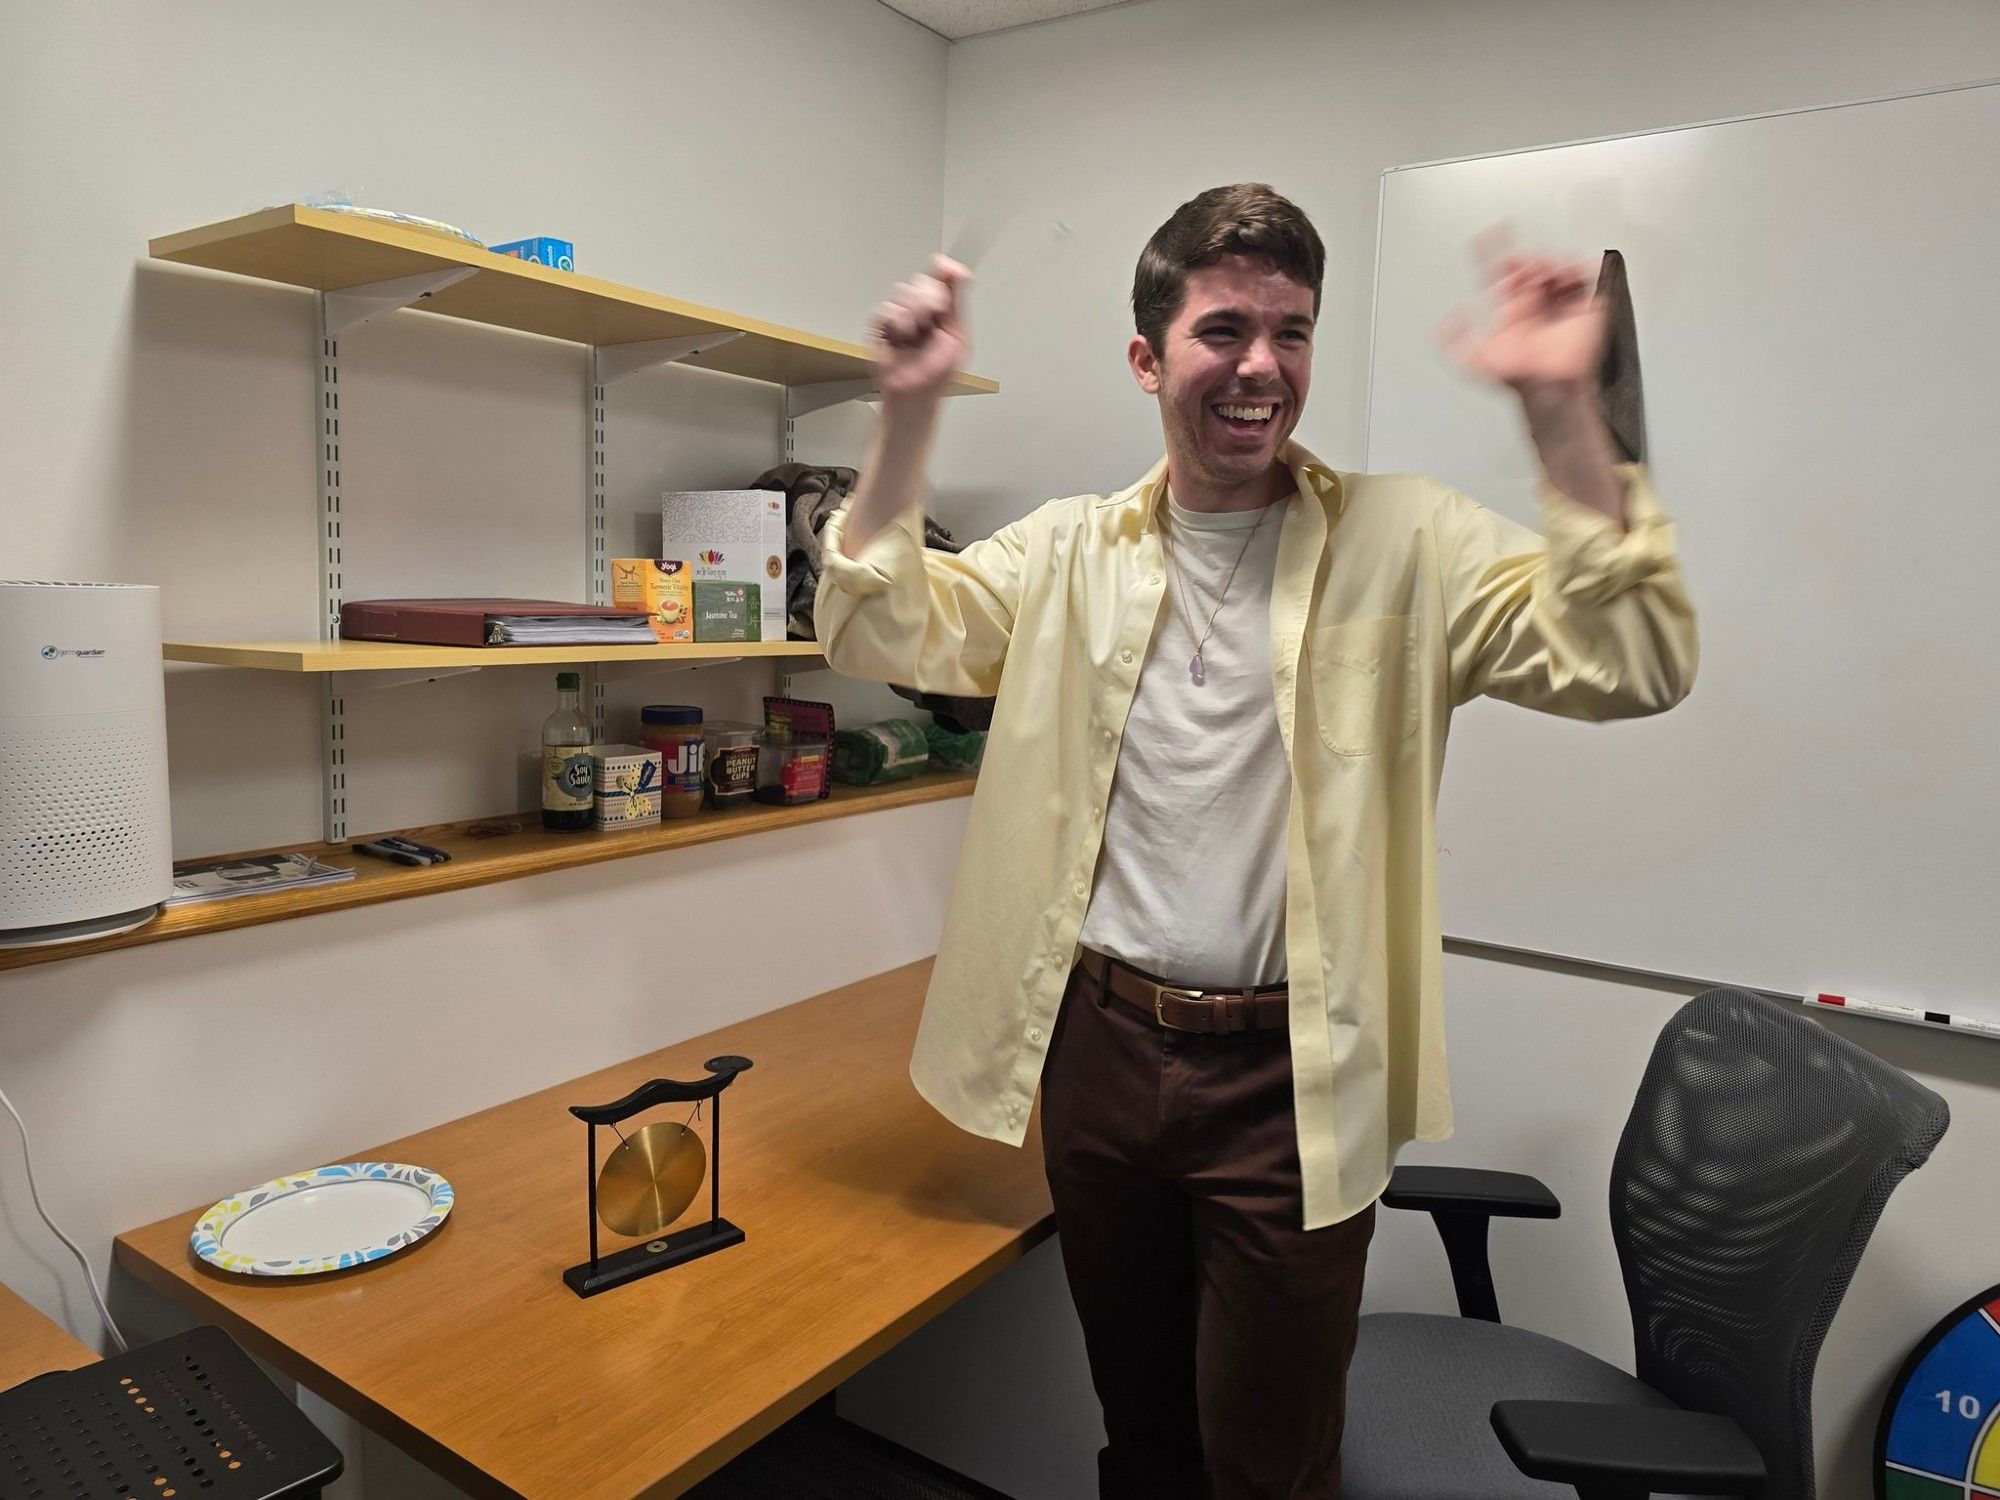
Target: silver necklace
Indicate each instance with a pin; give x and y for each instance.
(1196, 669)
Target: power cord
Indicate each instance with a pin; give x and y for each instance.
(35, 1193)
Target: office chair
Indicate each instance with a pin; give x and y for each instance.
(1758, 1155)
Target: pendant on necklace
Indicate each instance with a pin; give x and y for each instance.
(1196, 670)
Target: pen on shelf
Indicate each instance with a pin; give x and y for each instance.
(1910, 1015)
(393, 854)
(431, 852)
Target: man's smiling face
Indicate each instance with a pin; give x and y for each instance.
(1231, 373)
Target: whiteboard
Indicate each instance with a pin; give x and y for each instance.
(1819, 329)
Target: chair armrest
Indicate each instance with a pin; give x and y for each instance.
(1462, 1201)
(1467, 1190)
(1612, 1452)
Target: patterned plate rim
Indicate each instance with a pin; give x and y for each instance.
(206, 1238)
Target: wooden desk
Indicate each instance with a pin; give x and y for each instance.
(867, 1215)
(31, 1345)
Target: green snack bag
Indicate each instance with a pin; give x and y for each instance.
(888, 751)
(955, 752)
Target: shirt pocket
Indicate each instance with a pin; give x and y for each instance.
(1363, 692)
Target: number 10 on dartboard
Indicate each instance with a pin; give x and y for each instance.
(1939, 1438)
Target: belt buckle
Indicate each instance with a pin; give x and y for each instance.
(1160, 1000)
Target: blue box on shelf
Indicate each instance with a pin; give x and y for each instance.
(560, 254)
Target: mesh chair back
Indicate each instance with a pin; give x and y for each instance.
(1758, 1155)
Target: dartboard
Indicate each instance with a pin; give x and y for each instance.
(1940, 1432)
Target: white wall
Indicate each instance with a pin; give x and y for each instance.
(783, 158)
(1106, 122)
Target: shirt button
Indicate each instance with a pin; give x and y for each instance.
(1125, 656)
(1083, 888)
(1034, 1033)
(1152, 578)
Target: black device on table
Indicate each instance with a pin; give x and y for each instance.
(188, 1415)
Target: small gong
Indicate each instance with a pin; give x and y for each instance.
(651, 1178)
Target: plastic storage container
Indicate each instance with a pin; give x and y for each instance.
(791, 767)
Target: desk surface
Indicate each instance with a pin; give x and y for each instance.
(31, 1345)
(867, 1214)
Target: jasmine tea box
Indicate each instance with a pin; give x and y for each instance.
(737, 536)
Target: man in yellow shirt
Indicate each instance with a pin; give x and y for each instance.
(1197, 900)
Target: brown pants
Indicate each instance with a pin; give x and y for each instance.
(1218, 1330)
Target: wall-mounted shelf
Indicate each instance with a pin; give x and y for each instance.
(331, 252)
(361, 268)
(482, 861)
(388, 656)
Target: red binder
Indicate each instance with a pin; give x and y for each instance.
(455, 622)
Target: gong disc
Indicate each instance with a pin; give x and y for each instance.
(651, 1178)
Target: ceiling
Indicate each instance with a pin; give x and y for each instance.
(958, 19)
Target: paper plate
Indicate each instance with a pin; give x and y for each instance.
(328, 1220)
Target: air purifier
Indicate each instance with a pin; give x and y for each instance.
(85, 849)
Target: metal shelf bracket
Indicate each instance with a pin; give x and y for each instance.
(618, 671)
(801, 400)
(613, 362)
(357, 304)
(343, 683)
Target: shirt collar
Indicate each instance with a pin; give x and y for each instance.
(1308, 473)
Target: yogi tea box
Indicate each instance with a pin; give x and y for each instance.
(662, 589)
(737, 536)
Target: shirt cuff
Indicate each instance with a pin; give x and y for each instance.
(870, 572)
(1594, 559)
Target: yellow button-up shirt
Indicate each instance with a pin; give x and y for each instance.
(1395, 599)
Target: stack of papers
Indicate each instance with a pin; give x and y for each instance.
(569, 630)
(253, 875)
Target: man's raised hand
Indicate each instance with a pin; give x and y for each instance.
(920, 333)
(1547, 325)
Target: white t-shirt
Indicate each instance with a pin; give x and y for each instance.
(1190, 881)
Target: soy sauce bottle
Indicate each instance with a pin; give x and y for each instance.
(566, 777)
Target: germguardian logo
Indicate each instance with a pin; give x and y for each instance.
(50, 653)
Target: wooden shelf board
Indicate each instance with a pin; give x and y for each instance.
(330, 251)
(482, 861)
(382, 656)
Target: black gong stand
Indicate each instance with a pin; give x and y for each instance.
(600, 1274)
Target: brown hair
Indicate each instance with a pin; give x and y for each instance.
(1248, 218)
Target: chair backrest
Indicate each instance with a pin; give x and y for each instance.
(1758, 1155)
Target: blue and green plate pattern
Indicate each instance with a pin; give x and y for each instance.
(213, 1227)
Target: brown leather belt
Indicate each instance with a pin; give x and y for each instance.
(1179, 1008)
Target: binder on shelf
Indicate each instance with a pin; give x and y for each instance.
(493, 622)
